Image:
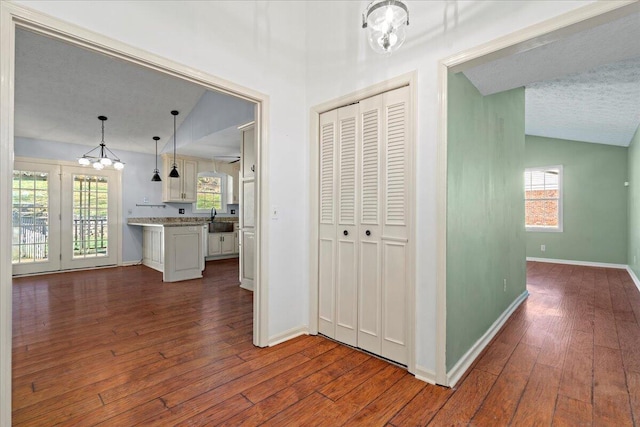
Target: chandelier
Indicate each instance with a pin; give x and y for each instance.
(101, 156)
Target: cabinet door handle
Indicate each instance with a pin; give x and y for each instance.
(345, 232)
(368, 233)
(253, 168)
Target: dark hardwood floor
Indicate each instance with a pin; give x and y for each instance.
(118, 347)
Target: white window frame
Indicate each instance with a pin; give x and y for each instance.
(223, 189)
(559, 228)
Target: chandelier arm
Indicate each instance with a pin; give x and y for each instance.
(113, 156)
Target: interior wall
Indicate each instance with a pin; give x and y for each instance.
(485, 212)
(260, 45)
(340, 61)
(633, 253)
(594, 200)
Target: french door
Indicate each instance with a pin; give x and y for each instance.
(35, 214)
(64, 217)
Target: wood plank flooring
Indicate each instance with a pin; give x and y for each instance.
(118, 347)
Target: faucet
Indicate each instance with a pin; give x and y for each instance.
(214, 212)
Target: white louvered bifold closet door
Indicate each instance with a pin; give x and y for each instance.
(364, 206)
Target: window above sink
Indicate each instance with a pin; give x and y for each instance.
(213, 190)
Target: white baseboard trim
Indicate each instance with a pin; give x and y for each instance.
(454, 375)
(247, 286)
(130, 263)
(583, 263)
(635, 278)
(426, 375)
(287, 335)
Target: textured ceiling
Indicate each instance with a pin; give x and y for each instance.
(585, 87)
(60, 90)
(601, 105)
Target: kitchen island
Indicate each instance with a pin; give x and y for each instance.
(174, 246)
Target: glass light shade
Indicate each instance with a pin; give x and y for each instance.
(118, 166)
(84, 161)
(98, 166)
(156, 176)
(106, 161)
(386, 23)
(174, 172)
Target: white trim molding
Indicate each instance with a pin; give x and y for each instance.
(573, 262)
(635, 278)
(454, 375)
(288, 335)
(426, 375)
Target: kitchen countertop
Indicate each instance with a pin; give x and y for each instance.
(177, 221)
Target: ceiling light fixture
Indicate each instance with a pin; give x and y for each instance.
(385, 21)
(156, 172)
(174, 169)
(105, 156)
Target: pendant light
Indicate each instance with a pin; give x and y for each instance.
(174, 169)
(156, 172)
(386, 22)
(105, 157)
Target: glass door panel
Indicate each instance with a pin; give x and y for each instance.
(89, 216)
(35, 244)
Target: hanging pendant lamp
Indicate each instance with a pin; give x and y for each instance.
(174, 169)
(104, 157)
(156, 172)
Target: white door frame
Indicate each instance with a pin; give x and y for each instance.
(408, 79)
(12, 16)
(522, 40)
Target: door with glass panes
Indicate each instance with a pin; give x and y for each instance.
(64, 217)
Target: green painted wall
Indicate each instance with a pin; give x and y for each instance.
(594, 201)
(485, 210)
(634, 204)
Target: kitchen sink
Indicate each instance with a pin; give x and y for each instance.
(220, 227)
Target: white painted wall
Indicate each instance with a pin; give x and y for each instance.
(301, 54)
(339, 61)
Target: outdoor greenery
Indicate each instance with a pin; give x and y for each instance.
(209, 192)
(30, 202)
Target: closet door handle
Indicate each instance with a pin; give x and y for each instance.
(368, 233)
(345, 232)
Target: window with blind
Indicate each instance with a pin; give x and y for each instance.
(543, 198)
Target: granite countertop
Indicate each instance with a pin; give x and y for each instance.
(177, 221)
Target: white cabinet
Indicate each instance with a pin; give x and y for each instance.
(236, 242)
(222, 244)
(182, 189)
(153, 247)
(248, 208)
(363, 225)
(175, 251)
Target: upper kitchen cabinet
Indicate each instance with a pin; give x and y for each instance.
(182, 189)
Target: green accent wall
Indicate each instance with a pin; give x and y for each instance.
(633, 158)
(485, 210)
(594, 201)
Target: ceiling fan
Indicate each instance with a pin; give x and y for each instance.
(231, 159)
